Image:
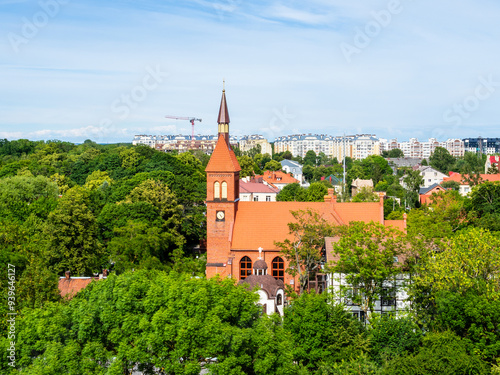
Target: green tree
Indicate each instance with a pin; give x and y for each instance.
(175, 324)
(72, 232)
(451, 185)
(308, 172)
(392, 337)
(473, 316)
(442, 160)
(323, 333)
(323, 159)
(470, 260)
(396, 153)
(140, 245)
(291, 192)
(441, 353)
(130, 158)
(368, 258)
(272, 165)
(22, 195)
(413, 180)
(303, 252)
(316, 192)
(310, 158)
(366, 194)
(248, 166)
(484, 205)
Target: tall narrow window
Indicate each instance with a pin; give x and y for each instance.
(217, 190)
(278, 268)
(224, 190)
(245, 267)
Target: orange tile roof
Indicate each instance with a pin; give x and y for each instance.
(259, 224)
(272, 177)
(398, 224)
(223, 158)
(69, 287)
(458, 178)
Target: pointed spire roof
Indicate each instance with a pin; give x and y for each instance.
(223, 112)
(223, 158)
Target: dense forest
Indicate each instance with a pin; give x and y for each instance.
(140, 214)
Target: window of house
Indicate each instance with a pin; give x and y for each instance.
(268, 198)
(256, 198)
(279, 300)
(388, 297)
(245, 267)
(350, 296)
(224, 190)
(278, 269)
(217, 190)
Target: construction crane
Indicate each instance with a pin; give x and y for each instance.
(190, 119)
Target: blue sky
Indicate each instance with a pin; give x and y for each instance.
(107, 70)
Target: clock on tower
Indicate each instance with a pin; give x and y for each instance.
(220, 216)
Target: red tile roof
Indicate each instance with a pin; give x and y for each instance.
(272, 177)
(259, 224)
(69, 287)
(255, 187)
(458, 178)
(223, 158)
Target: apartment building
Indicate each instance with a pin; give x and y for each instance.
(423, 149)
(247, 142)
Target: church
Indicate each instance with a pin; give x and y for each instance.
(241, 235)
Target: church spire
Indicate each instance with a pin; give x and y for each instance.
(223, 119)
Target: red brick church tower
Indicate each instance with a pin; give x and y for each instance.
(223, 176)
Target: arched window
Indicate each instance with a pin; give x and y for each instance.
(278, 269)
(245, 267)
(216, 190)
(279, 299)
(224, 190)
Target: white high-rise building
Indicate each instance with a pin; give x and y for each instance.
(423, 150)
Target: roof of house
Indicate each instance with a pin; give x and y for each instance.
(256, 187)
(277, 177)
(426, 190)
(223, 158)
(259, 224)
(428, 168)
(69, 287)
(332, 257)
(291, 163)
(404, 162)
(458, 178)
(362, 183)
(334, 180)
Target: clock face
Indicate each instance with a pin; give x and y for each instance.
(220, 215)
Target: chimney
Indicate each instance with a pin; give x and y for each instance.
(381, 198)
(67, 275)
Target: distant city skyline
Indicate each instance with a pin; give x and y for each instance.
(110, 70)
